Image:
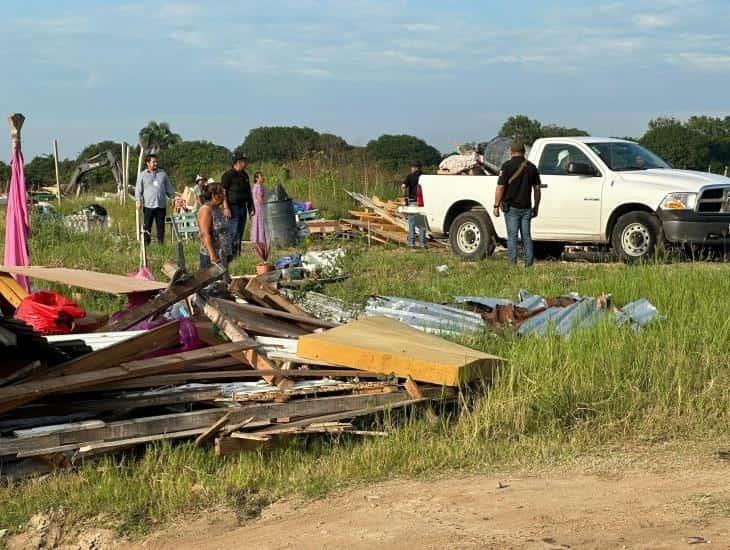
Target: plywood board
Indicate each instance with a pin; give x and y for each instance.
(380, 344)
(92, 280)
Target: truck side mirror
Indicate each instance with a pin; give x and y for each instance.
(581, 169)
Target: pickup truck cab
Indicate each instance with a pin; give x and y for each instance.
(594, 191)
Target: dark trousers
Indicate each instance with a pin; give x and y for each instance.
(236, 227)
(158, 215)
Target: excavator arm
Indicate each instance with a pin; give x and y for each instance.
(100, 160)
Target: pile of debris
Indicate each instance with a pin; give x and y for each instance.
(233, 366)
(529, 315)
(379, 221)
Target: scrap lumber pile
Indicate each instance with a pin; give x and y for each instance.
(256, 369)
(381, 221)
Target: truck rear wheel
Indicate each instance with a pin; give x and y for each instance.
(471, 236)
(637, 236)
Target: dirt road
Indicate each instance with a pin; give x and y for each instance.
(635, 509)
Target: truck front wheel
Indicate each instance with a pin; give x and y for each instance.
(471, 236)
(637, 236)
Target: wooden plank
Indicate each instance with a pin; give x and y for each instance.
(173, 294)
(182, 378)
(339, 416)
(11, 290)
(380, 344)
(236, 334)
(257, 323)
(36, 389)
(212, 430)
(162, 337)
(201, 420)
(91, 280)
(302, 319)
(267, 293)
(228, 446)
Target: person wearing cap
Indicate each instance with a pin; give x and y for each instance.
(152, 191)
(410, 192)
(238, 201)
(199, 189)
(518, 181)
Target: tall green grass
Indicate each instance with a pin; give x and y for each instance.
(555, 398)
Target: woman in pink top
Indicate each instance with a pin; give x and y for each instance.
(257, 220)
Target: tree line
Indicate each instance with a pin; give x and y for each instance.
(699, 143)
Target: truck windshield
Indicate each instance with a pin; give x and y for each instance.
(622, 156)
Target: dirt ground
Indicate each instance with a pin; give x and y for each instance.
(640, 509)
(624, 506)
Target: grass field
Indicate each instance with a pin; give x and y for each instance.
(555, 399)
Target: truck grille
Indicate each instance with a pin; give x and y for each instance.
(714, 201)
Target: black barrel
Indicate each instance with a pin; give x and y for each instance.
(280, 222)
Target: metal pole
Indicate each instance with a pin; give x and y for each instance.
(58, 177)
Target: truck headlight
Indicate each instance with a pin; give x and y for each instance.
(679, 201)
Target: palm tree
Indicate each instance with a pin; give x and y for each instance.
(157, 136)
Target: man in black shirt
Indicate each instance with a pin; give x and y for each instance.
(410, 191)
(518, 181)
(238, 200)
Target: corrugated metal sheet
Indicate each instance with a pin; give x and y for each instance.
(425, 316)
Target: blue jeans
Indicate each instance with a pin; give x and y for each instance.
(415, 221)
(519, 220)
(238, 224)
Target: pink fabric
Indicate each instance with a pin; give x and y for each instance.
(258, 234)
(16, 220)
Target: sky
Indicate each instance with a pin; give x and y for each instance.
(447, 71)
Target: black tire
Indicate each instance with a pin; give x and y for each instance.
(471, 236)
(548, 250)
(637, 237)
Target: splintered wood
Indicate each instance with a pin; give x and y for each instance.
(260, 370)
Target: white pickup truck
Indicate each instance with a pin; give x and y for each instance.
(594, 191)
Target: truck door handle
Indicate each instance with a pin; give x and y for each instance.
(543, 186)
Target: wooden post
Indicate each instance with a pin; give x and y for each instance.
(136, 210)
(58, 176)
(726, 170)
(120, 185)
(125, 180)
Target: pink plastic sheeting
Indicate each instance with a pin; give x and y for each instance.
(16, 220)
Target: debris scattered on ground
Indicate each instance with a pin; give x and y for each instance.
(531, 314)
(234, 367)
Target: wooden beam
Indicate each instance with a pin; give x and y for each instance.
(167, 298)
(212, 430)
(262, 412)
(266, 293)
(338, 416)
(159, 338)
(236, 334)
(257, 323)
(35, 389)
(302, 319)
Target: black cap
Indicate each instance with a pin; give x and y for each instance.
(239, 156)
(415, 164)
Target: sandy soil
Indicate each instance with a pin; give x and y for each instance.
(630, 505)
(639, 509)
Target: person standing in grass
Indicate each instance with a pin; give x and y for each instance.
(258, 234)
(410, 191)
(213, 228)
(199, 189)
(152, 191)
(519, 181)
(238, 201)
